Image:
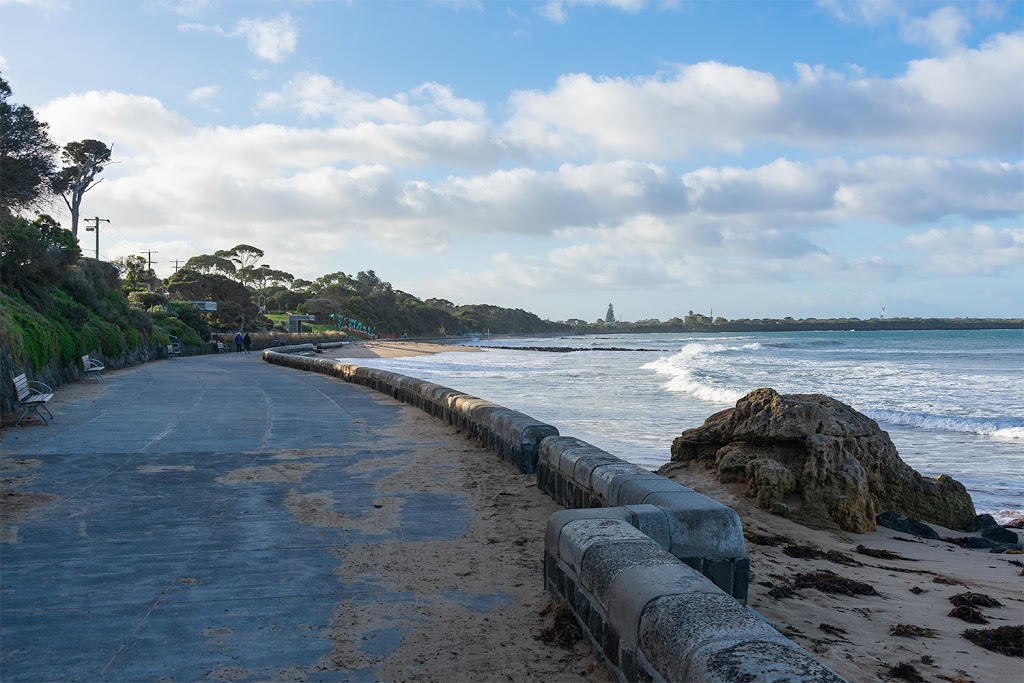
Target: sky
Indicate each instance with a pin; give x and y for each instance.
(837, 158)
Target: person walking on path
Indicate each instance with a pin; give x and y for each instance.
(238, 342)
(247, 342)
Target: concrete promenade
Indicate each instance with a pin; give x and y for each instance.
(221, 518)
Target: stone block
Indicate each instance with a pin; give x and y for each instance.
(673, 626)
(557, 522)
(582, 535)
(700, 527)
(653, 522)
(757, 660)
(634, 489)
(605, 559)
(635, 587)
(603, 476)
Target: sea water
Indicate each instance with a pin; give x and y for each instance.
(952, 401)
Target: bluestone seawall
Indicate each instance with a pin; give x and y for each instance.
(655, 573)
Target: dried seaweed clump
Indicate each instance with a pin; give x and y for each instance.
(561, 629)
(974, 600)
(807, 552)
(883, 554)
(829, 582)
(905, 672)
(912, 631)
(1006, 640)
(970, 614)
(767, 539)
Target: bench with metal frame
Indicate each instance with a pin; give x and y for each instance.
(173, 350)
(93, 368)
(32, 396)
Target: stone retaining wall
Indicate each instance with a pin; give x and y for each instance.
(515, 437)
(700, 531)
(653, 572)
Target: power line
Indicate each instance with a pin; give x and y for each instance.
(150, 261)
(97, 220)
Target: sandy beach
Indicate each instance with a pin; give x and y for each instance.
(851, 633)
(396, 349)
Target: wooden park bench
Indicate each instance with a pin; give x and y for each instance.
(92, 368)
(32, 396)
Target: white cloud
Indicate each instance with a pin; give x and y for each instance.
(188, 8)
(203, 95)
(942, 29)
(967, 102)
(270, 39)
(45, 6)
(555, 10)
(3, 63)
(979, 250)
(315, 95)
(619, 223)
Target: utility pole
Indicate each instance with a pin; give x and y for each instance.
(149, 268)
(176, 262)
(97, 220)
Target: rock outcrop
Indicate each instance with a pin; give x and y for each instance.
(819, 461)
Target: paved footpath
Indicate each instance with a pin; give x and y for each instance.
(221, 518)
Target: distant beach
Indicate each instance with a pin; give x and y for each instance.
(396, 349)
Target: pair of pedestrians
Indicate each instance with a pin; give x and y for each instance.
(241, 341)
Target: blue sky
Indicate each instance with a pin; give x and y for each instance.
(760, 159)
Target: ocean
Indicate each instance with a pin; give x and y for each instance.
(952, 401)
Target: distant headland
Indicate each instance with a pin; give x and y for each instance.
(702, 323)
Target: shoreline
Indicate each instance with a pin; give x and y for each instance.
(852, 633)
(398, 349)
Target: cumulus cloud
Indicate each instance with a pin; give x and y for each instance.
(270, 39)
(315, 95)
(966, 102)
(369, 178)
(204, 95)
(942, 29)
(978, 250)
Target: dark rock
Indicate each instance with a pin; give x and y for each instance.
(820, 461)
(1008, 547)
(978, 543)
(898, 522)
(1000, 535)
(1017, 523)
(981, 522)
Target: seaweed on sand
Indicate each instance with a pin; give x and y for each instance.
(1006, 640)
(561, 630)
(974, 600)
(807, 552)
(905, 672)
(829, 582)
(970, 614)
(882, 554)
(766, 539)
(912, 631)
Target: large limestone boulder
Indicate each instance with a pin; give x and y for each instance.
(819, 461)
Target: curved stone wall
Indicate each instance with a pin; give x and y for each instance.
(655, 573)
